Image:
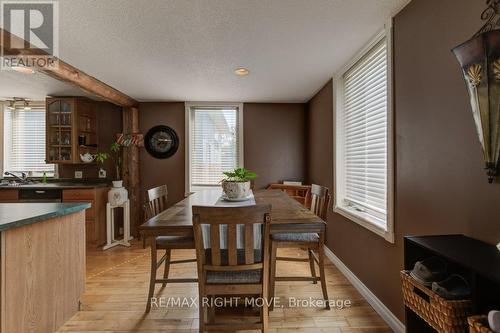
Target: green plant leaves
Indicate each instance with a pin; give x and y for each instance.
(239, 175)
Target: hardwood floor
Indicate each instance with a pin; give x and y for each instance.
(117, 286)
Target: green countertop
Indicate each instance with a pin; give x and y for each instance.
(13, 215)
(55, 185)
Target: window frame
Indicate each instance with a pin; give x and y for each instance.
(188, 125)
(338, 92)
(3, 107)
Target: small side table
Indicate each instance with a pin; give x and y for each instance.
(110, 226)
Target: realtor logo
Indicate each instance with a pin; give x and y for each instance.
(30, 37)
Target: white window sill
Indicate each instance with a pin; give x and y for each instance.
(365, 221)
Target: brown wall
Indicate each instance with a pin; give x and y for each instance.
(109, 123)
(274, 140)
(441, 187)
(169, 171)
(274, 144)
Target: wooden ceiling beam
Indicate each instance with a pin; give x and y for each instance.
(67, 73)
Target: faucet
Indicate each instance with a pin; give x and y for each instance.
(22, 179)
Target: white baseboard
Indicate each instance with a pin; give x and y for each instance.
(394, 323)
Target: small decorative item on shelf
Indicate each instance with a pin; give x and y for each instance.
(236, 185)
(82, 140)
(87, 158)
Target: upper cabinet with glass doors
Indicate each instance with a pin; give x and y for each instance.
(71, 129)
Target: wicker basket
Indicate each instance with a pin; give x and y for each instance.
(479, 324)
(443, 315)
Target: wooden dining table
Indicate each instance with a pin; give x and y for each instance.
(287, 215)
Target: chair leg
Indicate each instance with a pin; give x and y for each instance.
(168, 254)
(272, 275)
(152, 276)
(265, 317)
(211, 311)
(311, 265)
(321, 259)
(201, 315)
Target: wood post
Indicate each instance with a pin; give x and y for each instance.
(130, 170)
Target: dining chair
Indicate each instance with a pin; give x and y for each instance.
(301, 193)
(157, 203)
(233, 259)
(320, 200)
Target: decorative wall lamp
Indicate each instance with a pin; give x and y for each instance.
(479, 58)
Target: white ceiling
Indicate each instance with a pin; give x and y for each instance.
(186, 50)
(34, 86)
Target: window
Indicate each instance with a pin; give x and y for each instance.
(215, 143)
(363, 157)
(24, 141)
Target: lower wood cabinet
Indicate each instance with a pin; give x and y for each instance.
(9, 195)
(95, 216)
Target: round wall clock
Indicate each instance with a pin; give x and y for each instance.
(161, 141)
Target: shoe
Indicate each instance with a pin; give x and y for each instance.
(429, 270)
(455, 287)
(494, 321)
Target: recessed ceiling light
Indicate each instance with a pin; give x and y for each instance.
(241, 71)
(23, 69)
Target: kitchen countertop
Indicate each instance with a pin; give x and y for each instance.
(13, 215)
(56, 185)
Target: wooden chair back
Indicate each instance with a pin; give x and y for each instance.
(218, 259)
(301, 193)
(320, 200)
(157, 200)
(232, 270)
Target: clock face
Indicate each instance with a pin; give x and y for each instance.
(161, 141)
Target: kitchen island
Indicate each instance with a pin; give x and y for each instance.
(91, 191)
(42, 265)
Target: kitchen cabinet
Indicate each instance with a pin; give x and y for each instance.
(95, 216)
(71, 125)
(9, 195)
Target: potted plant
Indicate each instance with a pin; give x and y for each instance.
(118, 194)
(236, 185)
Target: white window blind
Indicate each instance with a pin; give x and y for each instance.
(24, 141)
(215, 146)
(364, 136)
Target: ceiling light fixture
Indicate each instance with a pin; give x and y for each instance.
(23, 69)
(241, 71)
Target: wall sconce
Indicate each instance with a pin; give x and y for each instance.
(479, 58)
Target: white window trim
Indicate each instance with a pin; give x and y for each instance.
(187, 107)
(352, 215)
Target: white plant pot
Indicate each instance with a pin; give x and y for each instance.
(118, 194)
(236, 190)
